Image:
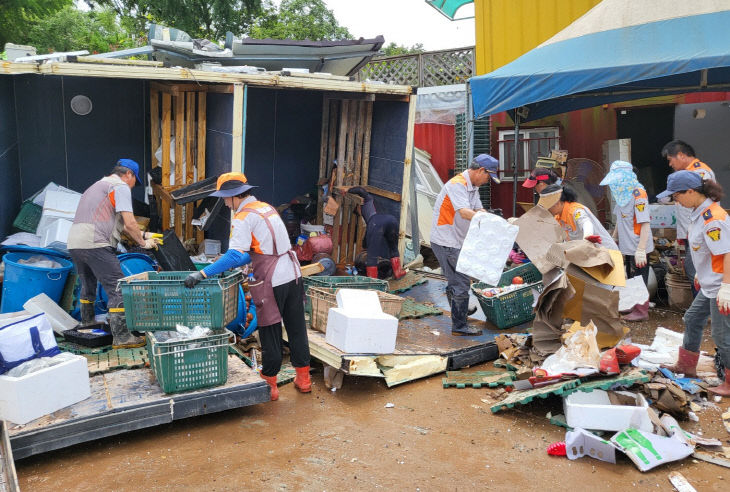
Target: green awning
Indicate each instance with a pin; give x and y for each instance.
(449, 7)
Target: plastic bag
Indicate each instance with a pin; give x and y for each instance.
(487, 245)
(580, 350)
(635, 292)
(35, 365)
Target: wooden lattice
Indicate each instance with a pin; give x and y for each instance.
(428, 69)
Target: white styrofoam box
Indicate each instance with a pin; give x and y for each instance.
(8, 318)
(663, 216)
(58, 204)
(39, 393)
(372, 333)
(309, 228)
(593, 410)
(211, 247)
(56, 234)
(60, 320)
(356, 301)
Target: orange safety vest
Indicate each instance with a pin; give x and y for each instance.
(446, 211)
(266, 210)
(710, 214)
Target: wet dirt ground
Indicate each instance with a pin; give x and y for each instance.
(432, 439)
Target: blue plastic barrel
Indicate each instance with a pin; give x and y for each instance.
(25, 281)
(132, 264)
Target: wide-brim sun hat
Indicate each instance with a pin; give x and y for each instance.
(231, 184)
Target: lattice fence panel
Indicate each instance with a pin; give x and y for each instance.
(392, 70)
(447, 67)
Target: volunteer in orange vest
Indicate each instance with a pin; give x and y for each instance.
(633, 228)
(259, 236)
(455, 205)
(577, 220)
(709, 244)
(681, 157)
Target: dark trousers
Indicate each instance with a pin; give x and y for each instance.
(632, 270)
(381, 238)
(289, 298)
(102, 265)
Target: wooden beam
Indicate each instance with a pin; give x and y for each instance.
(220, 89)
(176, 89)
(407, 163)
(392, 97)
(351, 131)
(162, 192)
(114, 61)
(384, 193)
(190, 154)
(366, 144)
(200, 161)
(154, 126)
(342, 142)
(237, 157)
(179, 102)
(166, 131)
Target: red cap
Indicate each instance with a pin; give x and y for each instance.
(533, 179)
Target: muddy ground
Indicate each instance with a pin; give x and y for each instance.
(432, 439)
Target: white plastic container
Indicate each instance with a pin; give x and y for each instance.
(309, 228)
(211, 247)
(60, 320)
(594, 411)
(56, 234)
(34, 395)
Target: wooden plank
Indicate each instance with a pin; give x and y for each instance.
(406, 178)
(359, 137)
(323, 144)
(179, 102)
(237, 157)
(154, 125)
(190, 155)
(221, 89)
(350, 153)
(342, 142)
(337, 220)
(117, 61)
(368, 123)
(177, 89)
(200, 141)
(162, 192)
(166, 132)
(384, 193)
(346, 219)
(332, 140)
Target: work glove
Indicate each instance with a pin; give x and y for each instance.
(723, 299)
(151, 243)
(193, 279)
(512, 220)
(595, 239)
(697, 284)
(640, 258)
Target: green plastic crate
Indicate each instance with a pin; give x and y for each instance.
(516, 307)
(184, 365)
(343, 282)
(156, 301)
(28, 217)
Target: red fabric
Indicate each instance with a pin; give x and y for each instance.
(437, 140)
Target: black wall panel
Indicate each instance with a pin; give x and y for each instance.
(219, 139)
(9, 166)
(387, 152)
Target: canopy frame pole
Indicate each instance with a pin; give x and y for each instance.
(515, 158)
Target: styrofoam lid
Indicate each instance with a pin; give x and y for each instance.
(357, 301)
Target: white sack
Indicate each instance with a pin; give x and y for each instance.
(487, 245)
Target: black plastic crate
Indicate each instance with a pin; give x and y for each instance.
(171, 254)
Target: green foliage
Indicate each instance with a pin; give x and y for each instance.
(17, 16)
(97, 31)
(299, 19)
(393, 49)
(208, 19)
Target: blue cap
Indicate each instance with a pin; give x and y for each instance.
(490, 164)
(132, 166)
(681, 181)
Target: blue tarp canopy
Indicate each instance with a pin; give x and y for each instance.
(618, 51)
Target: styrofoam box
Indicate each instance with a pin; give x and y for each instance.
(34, 395)
(593, 410)
(359, 333)
(57, 205)
(56, 235)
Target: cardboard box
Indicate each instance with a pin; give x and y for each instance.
(34, 395)
(604, 410)
(579, 443)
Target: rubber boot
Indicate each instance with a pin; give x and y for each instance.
(271, 381)
(398, 272)
(122, 339)
(724, 388)
(88, 316)
(640, 312)
(371, 271)
(302, 381)
(686, 363)
(459, 326)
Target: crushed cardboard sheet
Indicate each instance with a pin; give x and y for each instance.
(667, 396)
(516, 350)
(478, 379)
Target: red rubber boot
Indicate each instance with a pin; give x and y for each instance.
(302, 381)
(371, 271)
(686, 363)
(271, 381)
(398, 272)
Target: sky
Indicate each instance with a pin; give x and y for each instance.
(405, 22)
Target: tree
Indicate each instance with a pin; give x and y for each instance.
(17, 16)
(208, 19)
(299, 19)
(71, 30)
(393, 49)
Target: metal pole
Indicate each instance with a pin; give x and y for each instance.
(469, 126)
(514, 164)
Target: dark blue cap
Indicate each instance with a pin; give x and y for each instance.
(132, 166)
(681, 181)
(489, 163)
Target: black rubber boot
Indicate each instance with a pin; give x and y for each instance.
(459, 326)
(122, 338)
(88, 316)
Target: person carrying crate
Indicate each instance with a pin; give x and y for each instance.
(259, 237)
(104, 211)
(455, 206)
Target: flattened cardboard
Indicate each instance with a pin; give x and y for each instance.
(615, 275)
(538, 231)
(579, 443)
(548, 324)
(331, 207)
(597, 304)
(649, 450)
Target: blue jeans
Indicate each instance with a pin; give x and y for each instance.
(695, 319)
